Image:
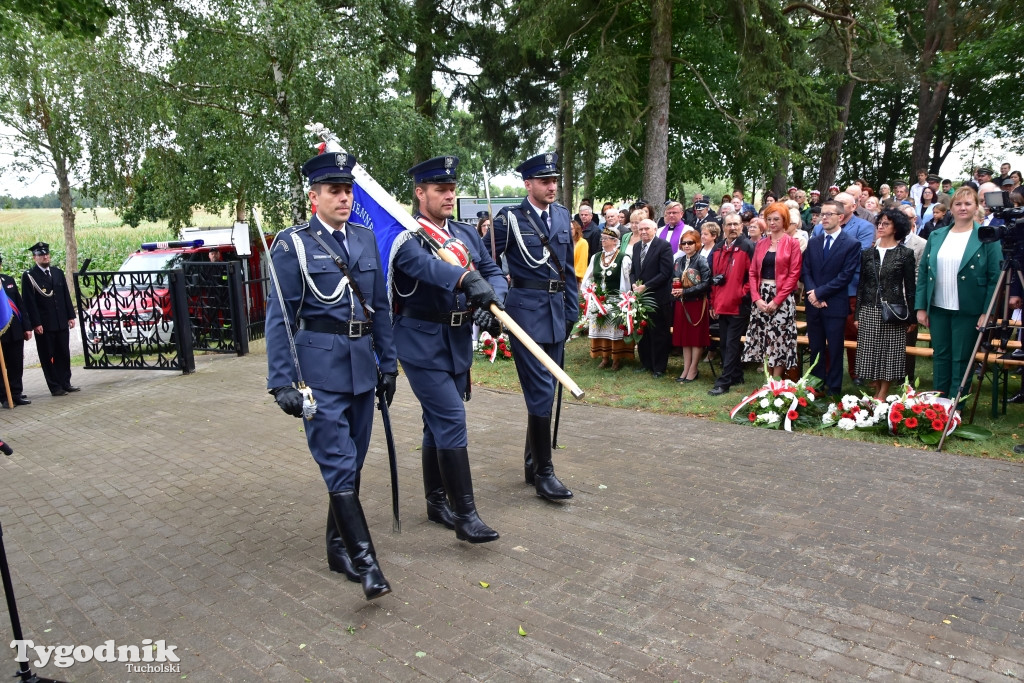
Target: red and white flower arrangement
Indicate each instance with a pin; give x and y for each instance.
(781, 403)
(495, 347)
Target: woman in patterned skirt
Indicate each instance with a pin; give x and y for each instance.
(609, 273)
(774, 273)
(886, 274)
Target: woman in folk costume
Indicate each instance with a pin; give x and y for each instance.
(608, 273)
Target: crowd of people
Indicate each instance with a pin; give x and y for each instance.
(866, 267)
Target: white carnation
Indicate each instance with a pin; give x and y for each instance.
(778, 402)
(765, 402)
(846, 423)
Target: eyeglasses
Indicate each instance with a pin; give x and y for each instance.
(688, 243)
(829, 213)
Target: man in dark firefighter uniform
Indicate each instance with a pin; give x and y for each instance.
(435, 305)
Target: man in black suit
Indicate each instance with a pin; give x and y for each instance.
(13, 341)
(49, 307)
(652, 272)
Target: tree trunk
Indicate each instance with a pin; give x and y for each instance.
(563, 142)
(830, 154)
(422, 75)
(785, 139)
(240, 206)
(590, 168)
(658, 91)
(896, 106)
(67, 214)
(296, 196)
(940, 37)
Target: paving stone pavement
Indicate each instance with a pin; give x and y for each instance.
(187, 508)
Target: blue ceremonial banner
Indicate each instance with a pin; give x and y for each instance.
(385, 226)
(6, 312)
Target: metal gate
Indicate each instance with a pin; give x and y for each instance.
(135, 320)
(255, 284)
(216, 306)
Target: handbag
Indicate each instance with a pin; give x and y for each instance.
(895, 314)
(892, 314)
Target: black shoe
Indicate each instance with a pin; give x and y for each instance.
(1018, 398)
(337, 557)
(348, 515)
(718, 390)
(433, 486)
(458, 481)
(70, 388)
(546, 483)
(60, 392)
(656, 375)
(22, 401)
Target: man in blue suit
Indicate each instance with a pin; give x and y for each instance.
(831, 262)
(340, 320)
(535, 242)
(863, 232)
(435, 305)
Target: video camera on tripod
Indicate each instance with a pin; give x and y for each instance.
(1012, 232)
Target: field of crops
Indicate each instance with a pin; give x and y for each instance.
(101, 236)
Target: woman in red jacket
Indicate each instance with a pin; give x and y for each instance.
(774, 272)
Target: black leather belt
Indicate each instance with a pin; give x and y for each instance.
(550, 286)
(353, 329)
(450, 318)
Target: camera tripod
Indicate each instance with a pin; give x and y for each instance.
(994, 337)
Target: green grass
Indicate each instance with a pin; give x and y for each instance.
(626, 389)
(101, 236)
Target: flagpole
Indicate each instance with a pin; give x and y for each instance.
(7, 383)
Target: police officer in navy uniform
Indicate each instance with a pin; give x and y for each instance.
(535, 242)
(435, 304)
(13, 341)
(48, 305)
(339, 325)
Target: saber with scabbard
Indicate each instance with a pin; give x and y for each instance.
(308, 402)
(389, 437)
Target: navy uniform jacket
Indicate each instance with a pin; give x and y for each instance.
(18, 326)
(329, 361)
(52, 312)
(541, 314)
(430, 284)
(830, 277)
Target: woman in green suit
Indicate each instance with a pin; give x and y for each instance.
(955, 283)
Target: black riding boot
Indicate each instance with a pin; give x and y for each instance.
(458, 481)
(437, 504)
(337, 557)
(348, 515)
(528, 457)
(544, 478)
